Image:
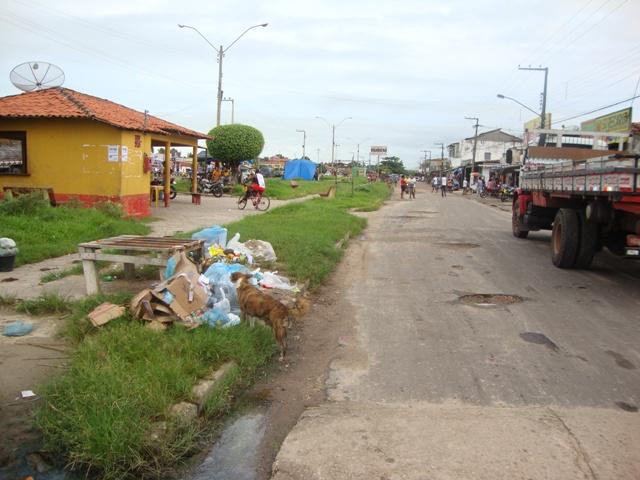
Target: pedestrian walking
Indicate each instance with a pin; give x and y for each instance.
(412, 187)
(434, 184)
(443, 186)
(403, 186)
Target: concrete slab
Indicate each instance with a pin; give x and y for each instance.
(451, 442)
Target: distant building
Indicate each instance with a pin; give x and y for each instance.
(492, 148)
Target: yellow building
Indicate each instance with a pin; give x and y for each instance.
(82, 147)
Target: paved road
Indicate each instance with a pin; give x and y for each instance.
(432, 388)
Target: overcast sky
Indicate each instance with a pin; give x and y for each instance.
(408, 72)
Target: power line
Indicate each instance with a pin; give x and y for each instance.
(596, 110)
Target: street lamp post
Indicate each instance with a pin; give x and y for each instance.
(333, 143)
(304, 141)
(539, 114)
(221, 51)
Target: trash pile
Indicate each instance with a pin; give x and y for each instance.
(204, 294)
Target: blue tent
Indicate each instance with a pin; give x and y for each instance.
(299, 168)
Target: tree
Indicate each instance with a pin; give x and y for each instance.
(235, 143)
(392, 165)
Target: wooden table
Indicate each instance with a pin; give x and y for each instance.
(132, 250)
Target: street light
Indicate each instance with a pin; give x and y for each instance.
(304, 141)
(221, 51)
(504, 97)
(333, 143)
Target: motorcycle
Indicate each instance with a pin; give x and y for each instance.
(506, 192)
(207, 186)
(172, 186)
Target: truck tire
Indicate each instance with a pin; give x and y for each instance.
(588, 242)
(565, 238)
(516, 225)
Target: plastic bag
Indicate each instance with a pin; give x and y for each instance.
(17, 329)
(240, 248)
(215, 235)
(8, 247)
(261, 250)
(272, 280)
(219, 275)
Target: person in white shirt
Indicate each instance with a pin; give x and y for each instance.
(443, 186)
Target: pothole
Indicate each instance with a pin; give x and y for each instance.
(9, 279)
(490, 299)
(457, 245)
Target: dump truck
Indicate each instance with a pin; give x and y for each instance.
(588, 197)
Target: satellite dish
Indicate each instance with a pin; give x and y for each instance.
(31, 76)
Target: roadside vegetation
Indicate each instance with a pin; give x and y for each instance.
(41, 231)
(123, 378)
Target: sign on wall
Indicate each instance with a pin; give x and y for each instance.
(619, 121)
(112, 153)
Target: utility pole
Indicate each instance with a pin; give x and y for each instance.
(219, 105)
(543, 114)
(475, 143)
(358, 161)
(425, 157)
(304, 141)
(441, 154)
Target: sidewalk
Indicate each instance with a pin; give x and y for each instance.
(182, 216)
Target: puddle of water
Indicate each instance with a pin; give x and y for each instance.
(490, 299)
(233, 454)
(620, 360)
(539, 339)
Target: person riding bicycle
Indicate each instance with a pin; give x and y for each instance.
(256, 186)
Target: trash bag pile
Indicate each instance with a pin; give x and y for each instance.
(204, 294)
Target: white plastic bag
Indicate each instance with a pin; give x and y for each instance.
(240, 247)
(223, 304)
(261, 250)
(273, 280)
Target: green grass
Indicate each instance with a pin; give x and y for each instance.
(120, 381)
(41, 231)
(58, 274)
(304, 235)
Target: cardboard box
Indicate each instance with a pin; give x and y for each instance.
(105, 312)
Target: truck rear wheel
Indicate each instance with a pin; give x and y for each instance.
(565, 238)
(588, 241)
(516, 225)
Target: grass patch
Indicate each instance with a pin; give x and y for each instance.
(44, 232)
(304, 235)
(120, 381)
(58, 274)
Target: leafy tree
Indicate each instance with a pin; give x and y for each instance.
(235, 143)
(392, 165)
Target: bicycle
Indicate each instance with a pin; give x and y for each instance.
(261, 203)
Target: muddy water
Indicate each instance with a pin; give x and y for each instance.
(233, 455)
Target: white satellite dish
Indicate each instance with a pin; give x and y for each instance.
(30, 76)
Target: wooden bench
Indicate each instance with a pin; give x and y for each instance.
(46, 192)
(132, 250)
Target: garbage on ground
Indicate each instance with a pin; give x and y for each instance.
(104, 313)
(8, 247)
(17, 329)
(204, 294)
(26, 394)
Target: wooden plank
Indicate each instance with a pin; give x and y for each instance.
(135, 260)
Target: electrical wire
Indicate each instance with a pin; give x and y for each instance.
(596, 110)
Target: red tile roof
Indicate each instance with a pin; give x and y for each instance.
(66, 103)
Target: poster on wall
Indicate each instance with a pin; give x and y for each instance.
(124, 153)
(112, 155)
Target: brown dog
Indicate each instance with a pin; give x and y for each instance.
(254, 303)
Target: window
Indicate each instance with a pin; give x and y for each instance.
(13, 153)
(487, 155)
